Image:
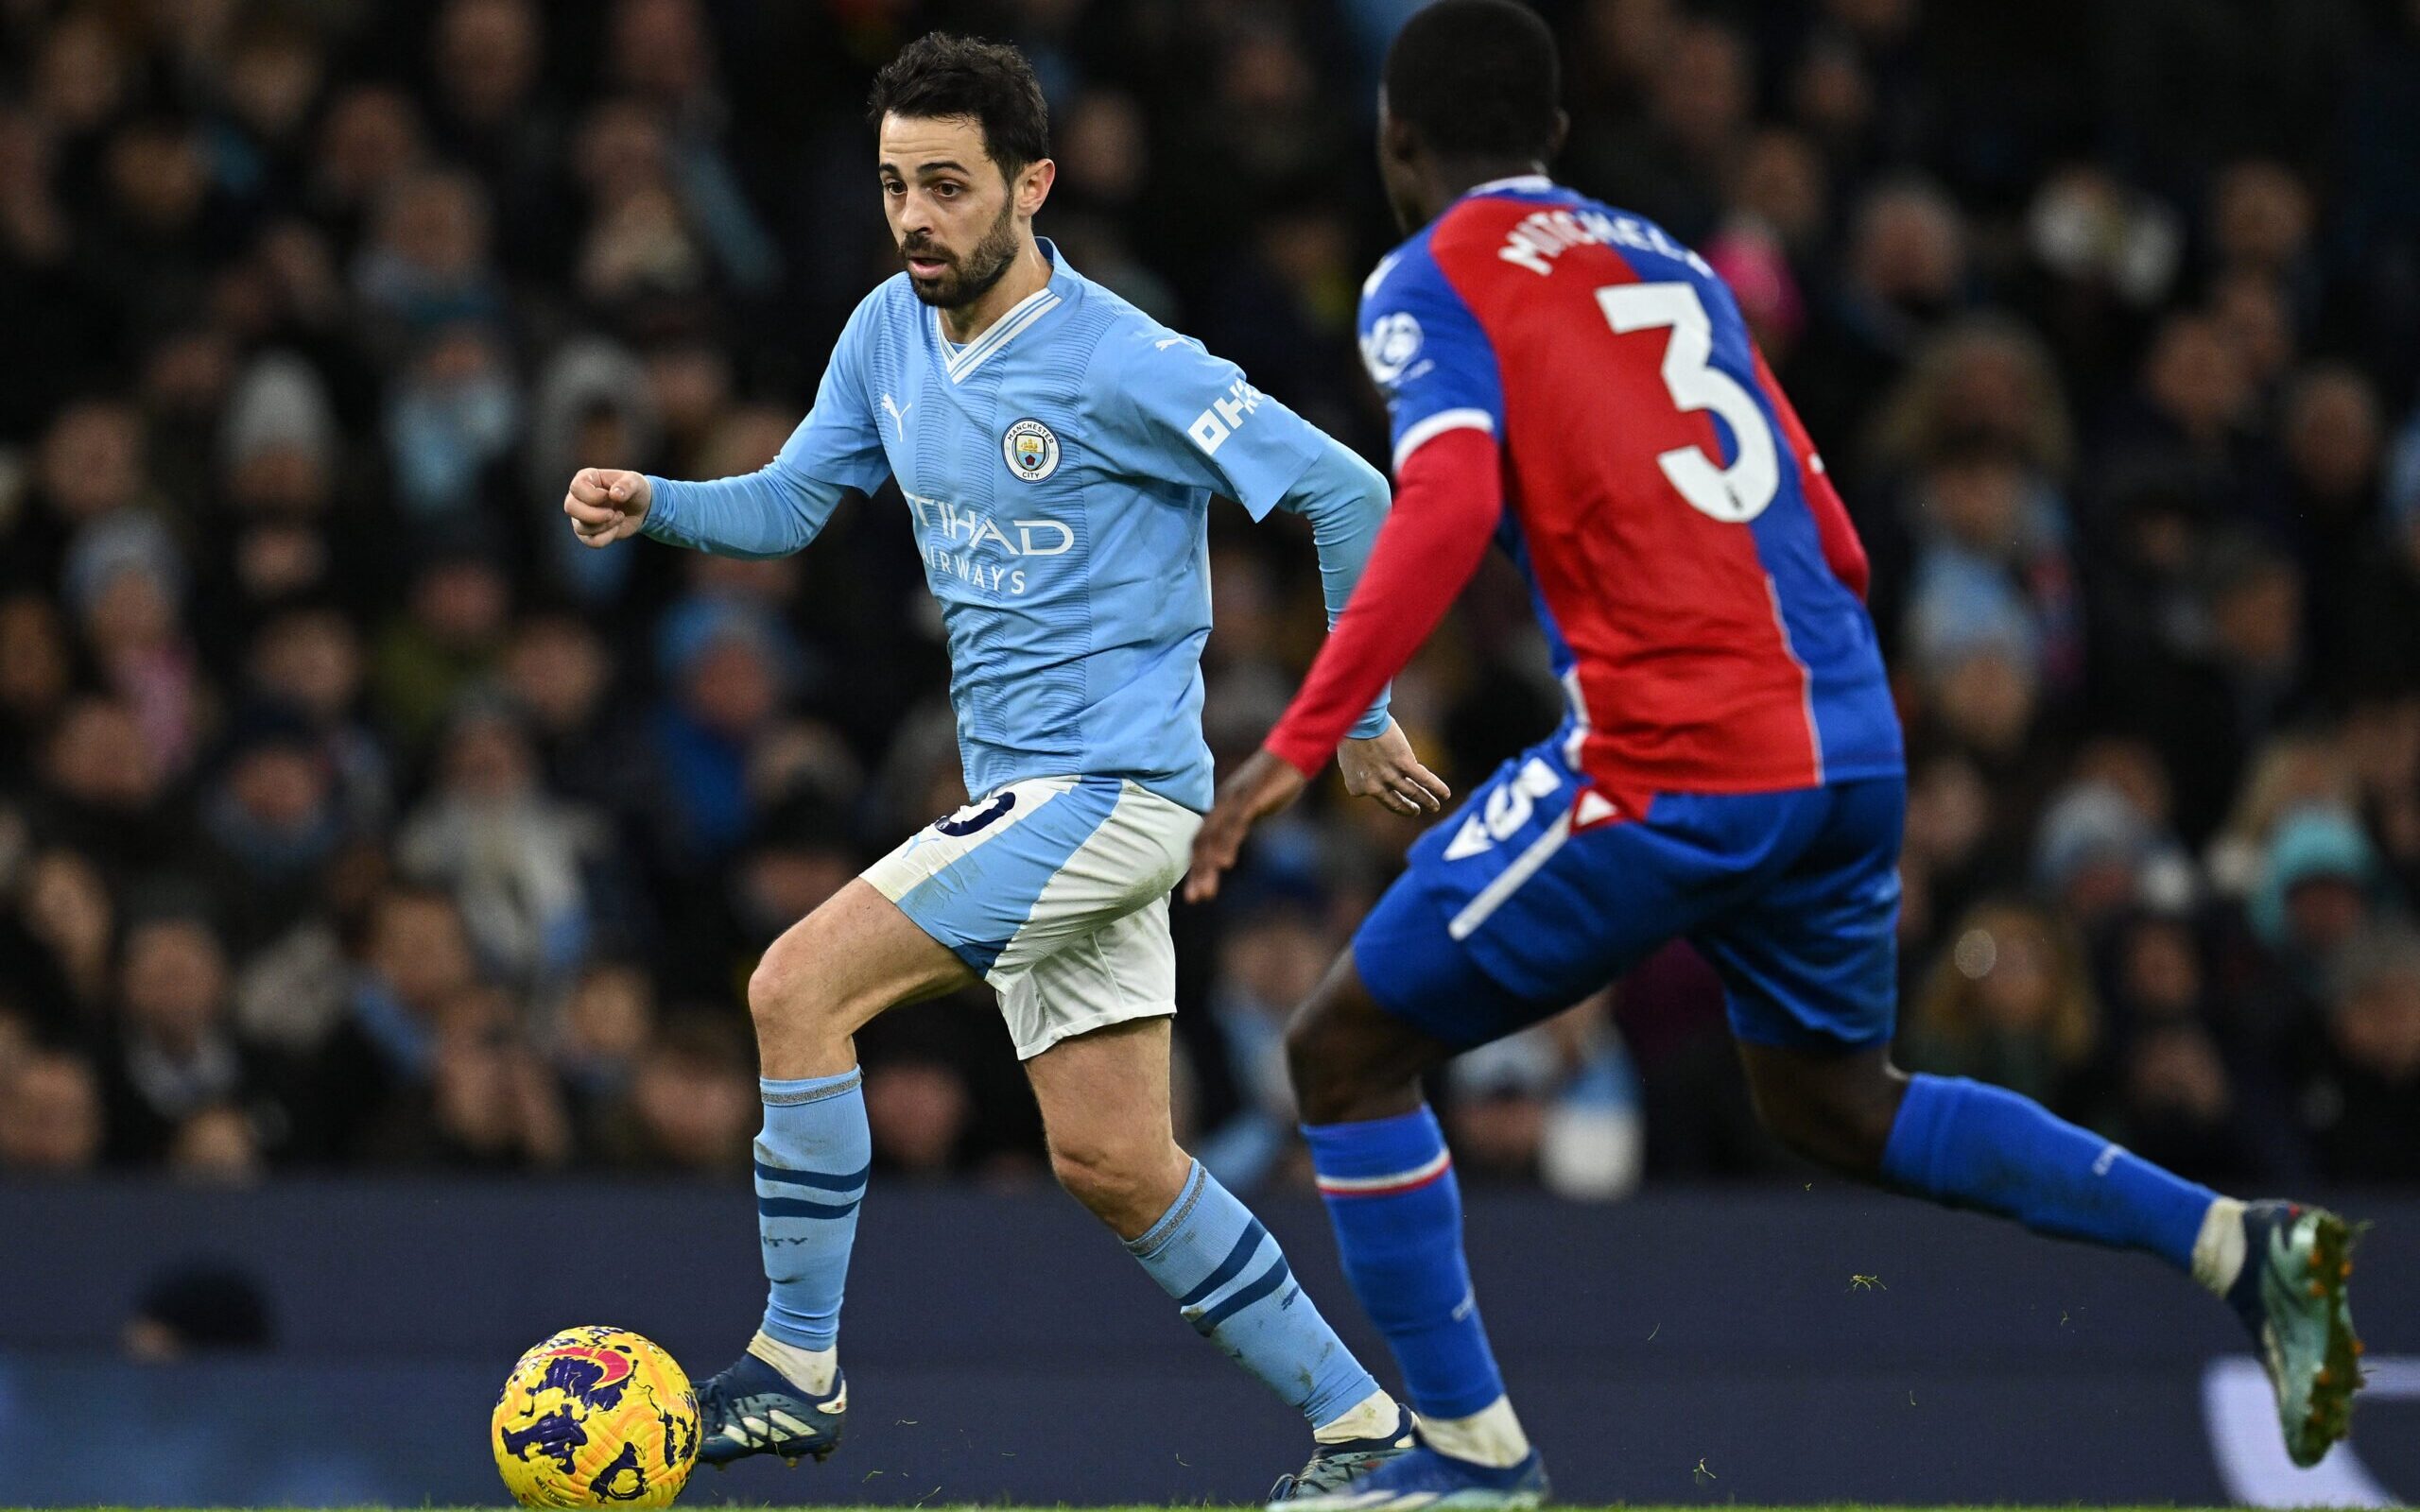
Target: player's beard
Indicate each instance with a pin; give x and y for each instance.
(970, 278)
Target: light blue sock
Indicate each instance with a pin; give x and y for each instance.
(1971, 1145)
(1391, 1192)
(811, 1165)
(1233, 1284)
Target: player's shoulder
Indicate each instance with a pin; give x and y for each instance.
(885, 318)
(886, 303)
(1132, 344)
(1441, 261)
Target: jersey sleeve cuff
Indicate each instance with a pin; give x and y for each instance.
(1303, 756)
(1419, 433)
(663, 511)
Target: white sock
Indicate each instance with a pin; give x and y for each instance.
(812, 1369)
(1372, 1416)
(2219, 1249)
(1490, 1436)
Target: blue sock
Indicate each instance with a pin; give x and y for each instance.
(1233, 1284)
(1971, 1145)
(1391, 1192)
(811, 1165)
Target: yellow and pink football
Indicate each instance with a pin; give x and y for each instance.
(596, 1417)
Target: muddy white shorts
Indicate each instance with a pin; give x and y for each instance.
(1055, 891)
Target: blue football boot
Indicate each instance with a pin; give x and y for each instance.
(1334, 1466)
(1421, 1477)
(753, 1409)
(2291, 1296)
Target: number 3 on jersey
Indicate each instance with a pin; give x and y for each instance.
(1736, 493)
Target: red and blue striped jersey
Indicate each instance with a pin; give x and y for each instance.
(1698, 579)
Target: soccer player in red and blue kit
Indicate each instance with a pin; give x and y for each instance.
(1567, 381)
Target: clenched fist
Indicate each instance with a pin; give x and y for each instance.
(606, 504)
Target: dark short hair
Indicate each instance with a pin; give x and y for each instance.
(1476, 78)
(943, 75)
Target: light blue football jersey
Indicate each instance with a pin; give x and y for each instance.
(1058, 473)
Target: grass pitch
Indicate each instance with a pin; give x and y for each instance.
(1199, 1506)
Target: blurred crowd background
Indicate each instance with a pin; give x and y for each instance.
(349, 816)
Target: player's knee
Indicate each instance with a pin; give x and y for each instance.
(1347, 1061)
(1330, 1066)
(1318, 1080)
(1114, 1178)
(783, 997)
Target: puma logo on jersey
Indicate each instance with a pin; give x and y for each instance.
(898, 413)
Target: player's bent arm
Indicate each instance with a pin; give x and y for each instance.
(779, 509)
(1449, 494)
(770, 512)
(1345, 499)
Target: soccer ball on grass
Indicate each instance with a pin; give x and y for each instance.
(596, 1417)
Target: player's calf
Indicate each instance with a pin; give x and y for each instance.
(2282, 1267)
(1391, 1194)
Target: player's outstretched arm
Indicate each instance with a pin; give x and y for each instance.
(770, 512)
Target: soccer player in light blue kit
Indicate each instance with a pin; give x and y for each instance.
(1058, 450)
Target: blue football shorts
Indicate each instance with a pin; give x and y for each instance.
(1540, 889)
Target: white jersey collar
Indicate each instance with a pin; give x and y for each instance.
(1528, 183)
(961, 362)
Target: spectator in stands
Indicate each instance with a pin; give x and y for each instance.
(37, 669)
(2319, 888)
(2186, 1089)
(730, 663)
(2009, 1002)
(50, 1114)
(489, 1101)
(1906, 272)
(274, 820)
(311, 309)
(173, 1057)
(690, 1105)
(2363, 1096)
(518, 860)
(449, 638)
(308, 659)
(918, 1110)
(414, 958)
(1557, 1104)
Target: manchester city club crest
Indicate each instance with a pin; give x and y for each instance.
(1032, 450)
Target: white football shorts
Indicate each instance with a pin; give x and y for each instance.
(1055, 891)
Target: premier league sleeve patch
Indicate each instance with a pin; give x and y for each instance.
(1033, 451)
